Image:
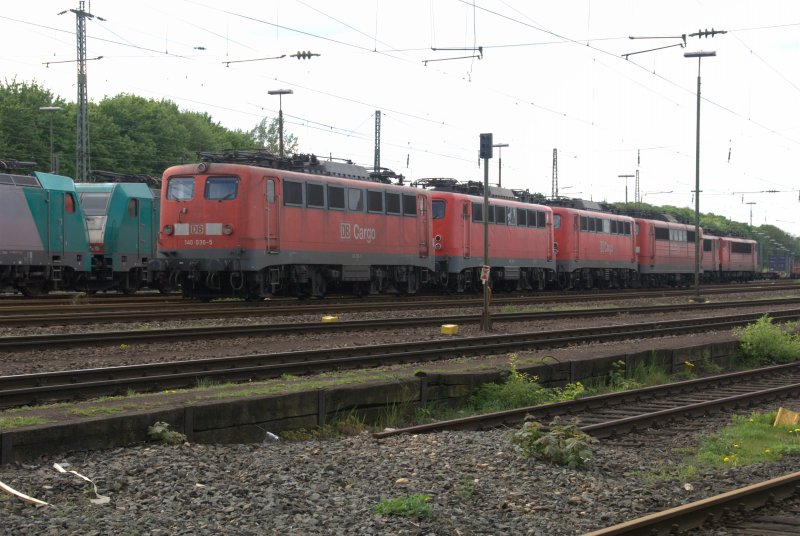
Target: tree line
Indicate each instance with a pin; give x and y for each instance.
(127, 133)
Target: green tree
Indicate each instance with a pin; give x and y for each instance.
(265, 134)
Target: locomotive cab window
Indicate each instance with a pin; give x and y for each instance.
(409, 205)
(662, 233)
(133, 207)
(293, 193)
(355, 200)
(627, 230)
(392, 203)
(522, 217)
(556, 221)
(375, 201)
(541, 219)
(706, 244)
(500, 215)
(477, 212)
(438, 209)
(511, 216)
(221, 188)
(94, 203)
(180, 189)
(69, 203)
(335, 197)
(315, 195)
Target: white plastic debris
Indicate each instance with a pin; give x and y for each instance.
(27, 498)
(272, 437)
(100, 499)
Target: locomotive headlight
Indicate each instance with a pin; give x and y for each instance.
(227, 229)
(437, 238)
(168, 229)
(437, 247)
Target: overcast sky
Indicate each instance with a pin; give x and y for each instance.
(548, 75)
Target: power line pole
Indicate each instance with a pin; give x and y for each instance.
(82, 145)
(377, 164)
(555, 173)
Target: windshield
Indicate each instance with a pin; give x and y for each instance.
(94, 203)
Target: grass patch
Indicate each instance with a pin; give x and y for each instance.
(749, 440)
(409, 506)
(98, 410)
(765, 343)
(351, 425)
(7, 423)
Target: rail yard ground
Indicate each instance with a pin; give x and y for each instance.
(476, 483)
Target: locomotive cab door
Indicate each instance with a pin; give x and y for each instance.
(576, 234)
(423, 227)
(271, 215)
(56, 228)
(466, 227)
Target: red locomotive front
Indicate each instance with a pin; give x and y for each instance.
(521, 253)
(594, 249)
(231, 229)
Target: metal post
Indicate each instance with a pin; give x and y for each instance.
(699, 56)
(626, 177)
(486, 319)
(51, 110)
(280, 93)
(500, 162)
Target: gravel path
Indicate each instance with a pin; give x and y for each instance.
(477, 483)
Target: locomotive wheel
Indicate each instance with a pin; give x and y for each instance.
(34, 289)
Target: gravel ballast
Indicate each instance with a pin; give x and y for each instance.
(477, 483)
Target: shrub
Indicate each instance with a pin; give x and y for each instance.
(562, 444)
(160, 431)
(765, 343)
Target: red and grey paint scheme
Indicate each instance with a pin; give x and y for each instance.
(304, 227)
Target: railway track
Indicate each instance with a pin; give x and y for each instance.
(769, 507)
(30, 389)
(46, 315)
(626, 411)
(66, 310)
(174, 334)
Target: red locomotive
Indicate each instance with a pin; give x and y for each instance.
(521, 252)
(594, 249)
(738, 258)
(250, 225)
(666, 252)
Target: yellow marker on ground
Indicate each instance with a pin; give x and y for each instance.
(449, 329)
(786, 417)
(330, 318)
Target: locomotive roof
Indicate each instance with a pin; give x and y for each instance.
(302, 163)
(445, 184)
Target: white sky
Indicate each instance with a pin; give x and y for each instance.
(551, 76)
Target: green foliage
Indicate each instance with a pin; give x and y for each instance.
(518, 391)
(7, 423)
(266, 136)
(465, 490)
(562, 444)
(749, 440)
(128, 133)
(415, 506)
(765, 343)
(160, 431)
(352, 424)
(617, 380)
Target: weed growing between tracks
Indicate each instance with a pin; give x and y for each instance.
(747, 440)
(415, 506)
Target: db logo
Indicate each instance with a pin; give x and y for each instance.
(197, 228)
(344, 231)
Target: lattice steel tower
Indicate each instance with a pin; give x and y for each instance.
(82, 145)
(555, 173)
